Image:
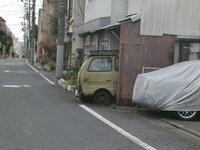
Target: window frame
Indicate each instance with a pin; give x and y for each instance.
(101, 70)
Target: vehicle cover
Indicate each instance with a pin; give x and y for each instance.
(174, 88)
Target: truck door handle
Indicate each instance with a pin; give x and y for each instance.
(86, 79)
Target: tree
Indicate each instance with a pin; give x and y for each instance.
(6, 41)
(9, 43)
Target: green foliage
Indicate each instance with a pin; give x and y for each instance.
(9, 43)
(72, 81)
(71, 75)
(44, 59)
(36, 32)
(49, 60)
(54, 20)
(54, 24)
(5, 40)
(52, 65)
(2, 37)
(44, 62)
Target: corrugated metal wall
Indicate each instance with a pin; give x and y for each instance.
(177, 17)
(96, 9)
(135, 6)
(138, 51)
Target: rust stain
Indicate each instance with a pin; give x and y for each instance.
(137, 51)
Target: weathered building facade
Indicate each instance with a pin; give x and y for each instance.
(101, 28)
(148, 34)
(73, 41)
(156, 34)
(46, 40)
(2, 24)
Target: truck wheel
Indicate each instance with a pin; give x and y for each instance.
(186, 115)
(102, 98)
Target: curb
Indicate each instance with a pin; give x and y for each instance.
(176, 125)
(129, 108)
(66, 86)
(181, 127)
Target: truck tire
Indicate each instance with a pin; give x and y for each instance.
(102, 98)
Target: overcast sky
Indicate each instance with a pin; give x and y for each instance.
(12, 11)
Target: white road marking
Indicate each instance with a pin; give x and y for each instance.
(33, 68)
(11, 86)
(7, 71)
(16, 86)
(118, 129)
(47, 79)
(26, 86)
(42, 75)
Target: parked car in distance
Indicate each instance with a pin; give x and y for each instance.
(175, 88)
(97, 77)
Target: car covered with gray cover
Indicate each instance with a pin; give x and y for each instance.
(175, 88)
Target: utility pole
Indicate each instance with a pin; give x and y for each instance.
(29, 28)
(26, 28)
(60, 40)
(33, 34)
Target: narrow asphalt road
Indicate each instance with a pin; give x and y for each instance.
(37, 115)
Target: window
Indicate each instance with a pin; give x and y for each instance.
(189, 51)
(94, 41)
(103, 45)
(103, 41)
(101, 64)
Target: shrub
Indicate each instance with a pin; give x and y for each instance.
(43, 62)
(52, 65)
(70, 75)
(72, 81)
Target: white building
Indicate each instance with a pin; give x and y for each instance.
(158, 17)
(73, 41)
(18, 47)
(101, 28)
